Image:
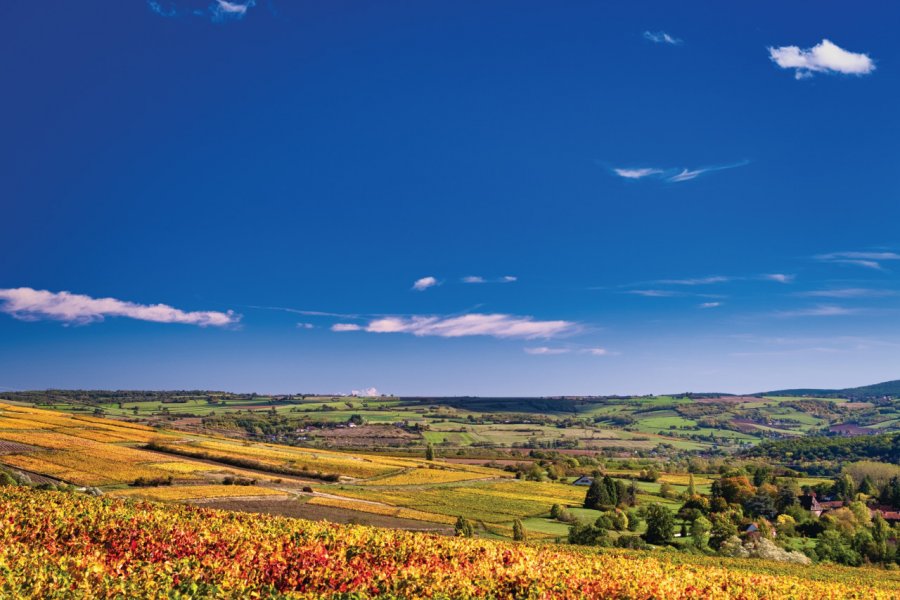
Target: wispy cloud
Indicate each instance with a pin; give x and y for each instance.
(689, 174)
(28, 304)
(544, 350)
(672, 175)
(709, 304)
(164, 11)
(596, 351)
(308, 313)
(661, 37)
(305, 326)
(651, 289)
(824, 57)
(217, 11)
(868, 260)
(823, 310)
(222, 9)
(697, 280)
(848, 293)
(779, 277)
(638, 173)
(549, 351)
(480, 279)
(424, 283)
(474, 324)
(654, 293)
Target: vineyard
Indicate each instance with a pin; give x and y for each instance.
(56, 544)
(112, 456)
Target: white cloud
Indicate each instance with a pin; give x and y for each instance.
(824, 57)
(825, 310)
(779, 277)
(868, 260)
(653, 293)
(661, 37)
(305, 326)
(480, 279)
(493, 325)
(31, 305)
(545, 350)
(596, 351)
(217, 10)
(710, 304)
(424, 283)
(365, 393)
(689, 174)
(222, 9)
(160, 10)
(672, 175)
(696, 280)
(848, 293)
(638, 173)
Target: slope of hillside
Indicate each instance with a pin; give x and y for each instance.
(66, 545)
(876, 390)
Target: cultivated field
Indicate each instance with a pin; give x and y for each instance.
(154, 551)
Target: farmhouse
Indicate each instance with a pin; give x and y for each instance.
(816, 506)
(810, 503)
(886, 512)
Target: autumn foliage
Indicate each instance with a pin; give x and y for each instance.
(65, 545)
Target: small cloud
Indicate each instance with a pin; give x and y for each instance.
(638, 173)
(848, 293)
(661, 37)
(543, 350)
(479, 279)
(824, 57)
(222, 10)
(596, 351)
(825, 310)
(779, 277)
(710, 304)
(653, 293)
(365, 393)
(305, 326)
(28, 304)
(672, 175)
(868, 260)
(689, 174)
(163, 11)
(424, 283)
(696, 280)
(474, 324)
(218, 11)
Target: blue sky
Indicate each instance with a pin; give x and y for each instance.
(504, 198)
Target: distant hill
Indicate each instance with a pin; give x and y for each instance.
(877, 390)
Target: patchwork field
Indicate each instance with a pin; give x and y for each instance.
(135, 461)
(641, 423)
